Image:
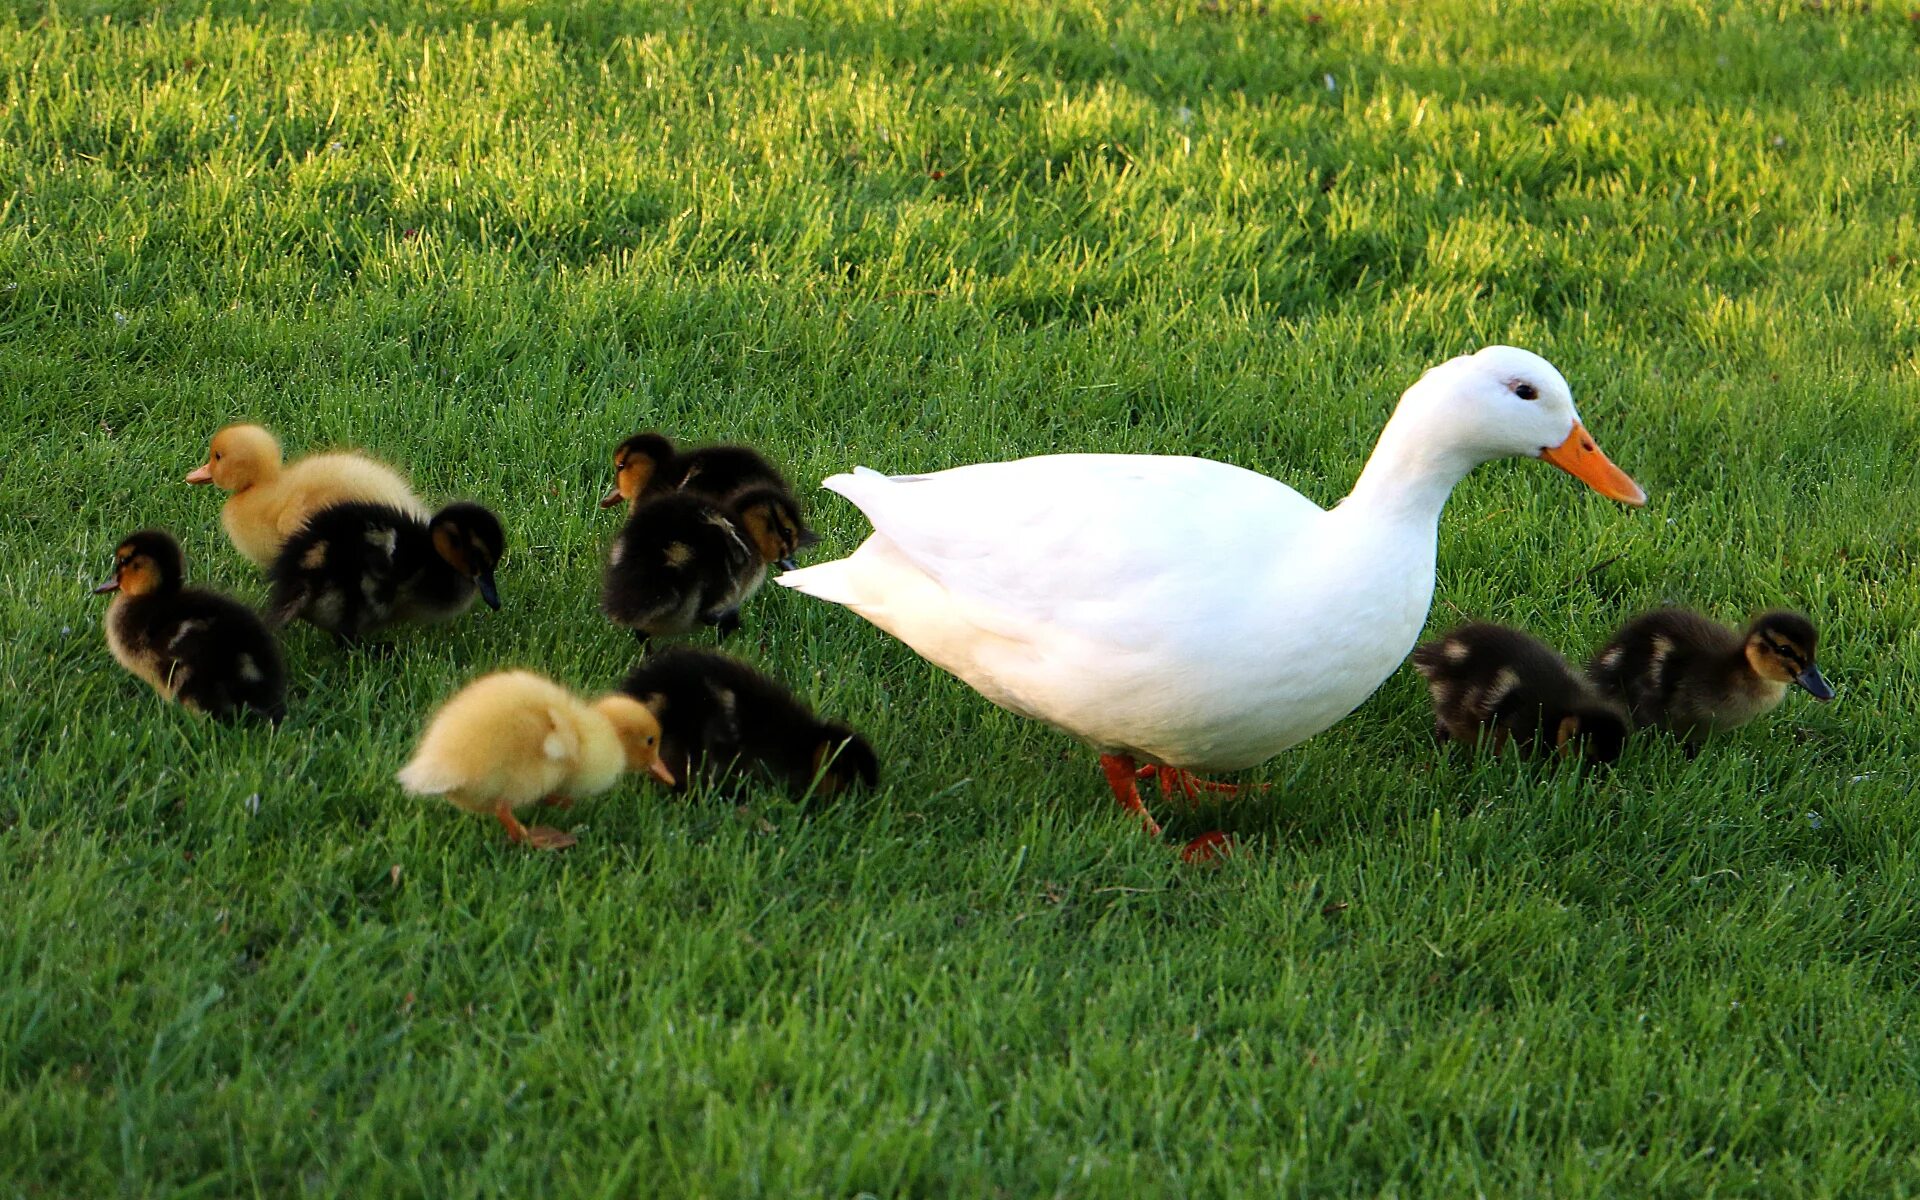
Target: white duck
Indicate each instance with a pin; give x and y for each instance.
(1183, 615)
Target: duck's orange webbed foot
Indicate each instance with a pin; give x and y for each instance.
(1124, 781)
(557, 801)
(1188, 784)
(540, 837)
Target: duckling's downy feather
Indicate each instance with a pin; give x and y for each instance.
(514, 738)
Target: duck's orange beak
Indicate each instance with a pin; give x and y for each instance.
(201, 474)
(611, 498)
(659, 771)
(1580, 457)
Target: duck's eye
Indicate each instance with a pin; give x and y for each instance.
(1526, 391)
(216, 456)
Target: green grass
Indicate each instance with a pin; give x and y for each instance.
(487, 239)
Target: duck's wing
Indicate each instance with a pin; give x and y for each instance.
(1078, 540)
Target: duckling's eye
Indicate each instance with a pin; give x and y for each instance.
(1526, 391)
(649, 741)
(216, 456)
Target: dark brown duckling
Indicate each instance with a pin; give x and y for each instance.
(718, 716)
(357, 568)
(1492, 682)
(648, 465)
(210, 653)
(684, 560)
(1683, 672)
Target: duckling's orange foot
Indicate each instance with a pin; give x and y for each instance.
(540, 837)
(1188, 784)
(545, 837)
(1124, 781)
(558, 802)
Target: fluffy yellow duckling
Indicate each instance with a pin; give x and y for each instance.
(269, 502)
(511, 738)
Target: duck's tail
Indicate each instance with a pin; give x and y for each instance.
(829, 581)
(833, 581)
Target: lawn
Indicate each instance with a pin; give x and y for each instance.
(488, 239)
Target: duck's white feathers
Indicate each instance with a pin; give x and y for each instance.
(1186, 612)
(1094, 592)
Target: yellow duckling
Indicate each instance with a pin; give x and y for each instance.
(511, 738)
(269, 502)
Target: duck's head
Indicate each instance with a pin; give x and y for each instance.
(639, 733)
(469, 537)
(1780, 648)
(240, 456)
(635, 462)
(1504, 402)
(144, 564)
(773, 525)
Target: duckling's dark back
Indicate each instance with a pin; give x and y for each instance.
(675, 563)
(1490, 680)
(719, 709)
(724, 471)
(1652, 656)
(344, 569)
(246, 669)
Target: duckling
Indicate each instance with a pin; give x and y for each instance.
(1513, 689)
(204, 650)
(513, 737)
(685, 560)
(1683, 672)
(717, 713)
(269, 503)
(355, 568)
(648, 465)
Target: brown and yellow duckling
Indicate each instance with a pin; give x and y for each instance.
(510, 739)
(269, 503)
(684, 560)
(210, 653)
(719, 716)
(648, 465)
(356, 568)
(1511, 689)
(1678, 670)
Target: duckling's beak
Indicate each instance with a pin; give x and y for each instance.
(611, 498)
(1815, 683)
(787, 563)
(659, 771)
(1580, 457)
(111, 585)
(201, 474)
(489, 593)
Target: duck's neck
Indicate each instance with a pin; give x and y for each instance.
(1409, 476)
